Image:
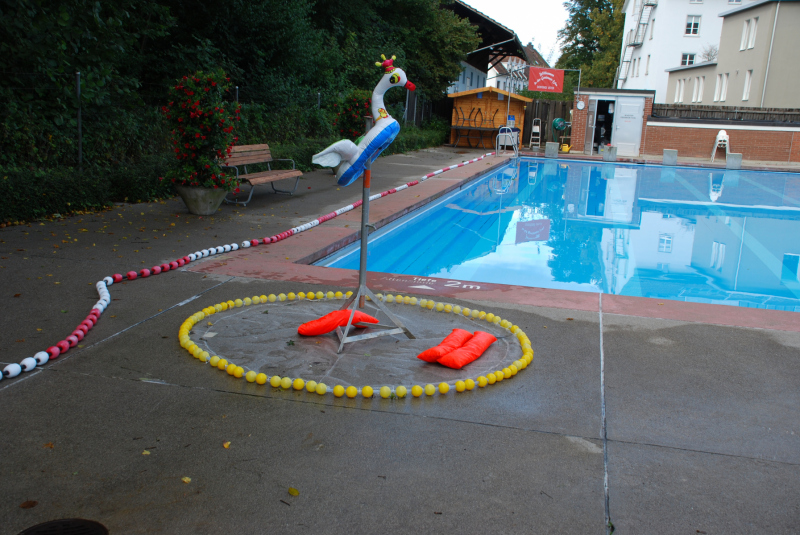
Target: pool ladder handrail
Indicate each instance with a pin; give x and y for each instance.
(507, 134)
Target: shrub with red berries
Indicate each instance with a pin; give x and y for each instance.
(202, 130)
(350, 113)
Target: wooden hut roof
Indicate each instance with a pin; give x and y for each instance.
(489, 90)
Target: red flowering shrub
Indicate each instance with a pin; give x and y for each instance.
(202, 130)
(348, 121)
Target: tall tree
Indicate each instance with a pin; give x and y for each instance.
(591, 39)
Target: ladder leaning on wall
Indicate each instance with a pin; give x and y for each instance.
(634, 39)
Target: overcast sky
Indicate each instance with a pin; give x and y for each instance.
(532, 20)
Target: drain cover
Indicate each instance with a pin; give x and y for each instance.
(67, 526)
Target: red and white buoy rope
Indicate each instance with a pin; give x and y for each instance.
(82, 330)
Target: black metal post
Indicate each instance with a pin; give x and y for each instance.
(80, 132)
(237, 93)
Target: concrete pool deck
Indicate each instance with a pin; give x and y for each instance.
(687, 412)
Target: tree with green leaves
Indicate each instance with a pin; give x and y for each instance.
(592, 39)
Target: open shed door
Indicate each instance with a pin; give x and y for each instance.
(628, 125)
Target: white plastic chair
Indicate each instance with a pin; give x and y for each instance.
(722, 141)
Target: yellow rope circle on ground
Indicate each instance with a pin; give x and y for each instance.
(384, 391)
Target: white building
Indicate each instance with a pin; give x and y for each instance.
(663, 34)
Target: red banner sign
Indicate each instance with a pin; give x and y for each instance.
(536, 230)
(548, 80)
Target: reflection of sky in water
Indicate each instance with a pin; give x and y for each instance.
(729, 237)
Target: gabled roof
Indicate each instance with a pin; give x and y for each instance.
(535, 59)
(489, 90)
(490, 31)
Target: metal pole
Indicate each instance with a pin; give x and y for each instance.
(237, 93)
(319, 100)
(362, 268)
(579, 81)
(80, 132)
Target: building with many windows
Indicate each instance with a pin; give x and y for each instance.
(662, 34)
(757, 64)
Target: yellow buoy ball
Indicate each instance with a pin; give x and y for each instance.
(367, 391)
(470, 384)
(466, 312)
(489, 317)
(204, 357)
(223, 306)
(222, 364)
(491, 378)
(197, 351)
(439, 307)
(301, 295)
(310, 296)
(218, 307)
(321, 389)
(499, 375)
(518, 364)
(481, 315)
(474, 314)
(338, 295)
(272, 298)
(390, 298)
(214, 360)
(238, 372)
(275, 381)
(423, 303)
(311, 386)
(406, 300)
(414, 301)
(338, 391)
(401, 391)
(348, 294)
(261, 378)
(457, 309)
(320, 295)
(351, 391)
(231, 304)
(430, 305)
(230, 368)
(282, 297)
(329, 295)
(250, 376)
(416, 391)
(448, 308)
(482, 381)
(237, 303)
(256, 299)
(399, 298)
(460, 386)
(263, 298)
(291, 296)
(505, 324)
(430, 390)
(444, 388)
(507, 373)
(286, 383)
(385, 392)
(497, 319)
(298, 384)
(247, 301)
(514, 369)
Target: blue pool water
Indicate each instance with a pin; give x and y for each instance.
(690, 234)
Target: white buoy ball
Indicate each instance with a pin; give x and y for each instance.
(220, 250)
(226, 248)
(12, 370)
(28, 364)
(41, 357)
(234, 247)
(108, 280)
(245, 244)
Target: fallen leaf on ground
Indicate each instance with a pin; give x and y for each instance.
(17, 295)
(210, 324)
(226, 445)
(28, 504)
(49, 445)
(145, 452)
(293, 491)
(186, 479)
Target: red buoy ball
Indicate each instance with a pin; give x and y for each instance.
(117, 277)
(155, 270)
(164, 268)
(144, 273)
(63, 345)
(173, 265)
(254, 242)
(54, 352)
(73, 340)
(131, 275)
(186, 259)
(79, 334)
(83, 329)
(181, 262)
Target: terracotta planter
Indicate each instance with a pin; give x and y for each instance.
(201, 201)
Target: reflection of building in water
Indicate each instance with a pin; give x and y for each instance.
(707, 237)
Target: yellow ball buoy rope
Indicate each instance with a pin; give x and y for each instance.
(386, 392)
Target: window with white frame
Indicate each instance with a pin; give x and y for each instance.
(751, 41)
(647, 66)
(652, 27)
(687, 59)
(791, 268)
(665, 243)
(745, 34)
(638, 66)
(683, 86)
(694, 88)
(692, 25)
(661, 266)
(700, 89)
(723, 91)
(748, 78)
(677, 90)
(717, 87)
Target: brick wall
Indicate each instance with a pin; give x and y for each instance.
(767, 145)
(578, 130)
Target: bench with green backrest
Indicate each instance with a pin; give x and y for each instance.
(242, 156)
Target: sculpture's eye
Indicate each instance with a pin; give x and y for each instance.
(394, 79)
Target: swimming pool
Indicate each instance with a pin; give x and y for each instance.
(690, 234)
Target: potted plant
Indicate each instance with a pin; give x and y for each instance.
(202, 137)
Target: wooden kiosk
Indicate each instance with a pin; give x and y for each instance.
(479, 113)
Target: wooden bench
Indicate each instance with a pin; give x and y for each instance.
(245, 155)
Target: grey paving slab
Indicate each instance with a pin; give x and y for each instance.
(356, 470)
(702, 387)
(667, 490)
